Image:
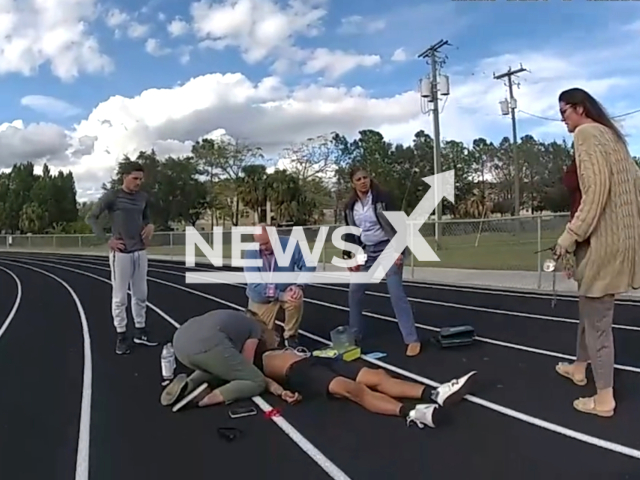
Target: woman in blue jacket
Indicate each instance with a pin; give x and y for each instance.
(364, 210)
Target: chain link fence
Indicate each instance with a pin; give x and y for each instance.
(505, 243)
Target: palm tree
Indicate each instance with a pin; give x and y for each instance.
(475, 207)
(33, 218)
(252, 189)
(283, 190)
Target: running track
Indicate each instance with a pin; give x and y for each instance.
(70, 408)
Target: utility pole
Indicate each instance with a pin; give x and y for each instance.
(512, 106)
(432, 57)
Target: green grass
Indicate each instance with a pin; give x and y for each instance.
(495, 251)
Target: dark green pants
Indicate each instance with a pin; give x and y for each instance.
(224, 369)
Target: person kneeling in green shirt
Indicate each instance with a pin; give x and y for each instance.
(220, 347)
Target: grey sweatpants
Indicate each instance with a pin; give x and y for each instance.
(223, 368)
(128, 270)
(595, 338)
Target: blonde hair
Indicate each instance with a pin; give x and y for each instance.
(270, 338)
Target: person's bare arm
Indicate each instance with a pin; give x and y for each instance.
(274, 387)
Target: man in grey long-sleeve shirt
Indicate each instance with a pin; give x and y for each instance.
(131, 230)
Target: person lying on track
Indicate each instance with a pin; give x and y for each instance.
(219, 346)
(230, 350)
(308, 376)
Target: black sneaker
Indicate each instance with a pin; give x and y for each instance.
(122, 344)
(292, 342)
(142, 338)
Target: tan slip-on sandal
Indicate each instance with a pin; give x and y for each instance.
(413, 349)
(588, 405)
(174, 390)
(566, 370)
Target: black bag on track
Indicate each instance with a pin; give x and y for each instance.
(456, 336)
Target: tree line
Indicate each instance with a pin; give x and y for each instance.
(226, 181)
(38, 203)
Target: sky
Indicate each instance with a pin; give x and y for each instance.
(85, 82)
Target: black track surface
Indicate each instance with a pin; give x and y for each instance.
(133, 437)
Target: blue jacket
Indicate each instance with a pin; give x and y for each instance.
(257, 291)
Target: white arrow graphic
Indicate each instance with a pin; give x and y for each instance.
(442, 186)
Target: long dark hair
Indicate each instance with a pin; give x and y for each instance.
(577, 97)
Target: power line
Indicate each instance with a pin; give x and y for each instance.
(512, 105)
(436, 61)
(540, 117)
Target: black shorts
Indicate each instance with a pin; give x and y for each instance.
(311, 376)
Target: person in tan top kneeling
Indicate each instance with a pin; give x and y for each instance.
(604, 238)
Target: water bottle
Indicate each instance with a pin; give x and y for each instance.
(342, 339)
(168, 361)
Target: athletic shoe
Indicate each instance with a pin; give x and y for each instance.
(122, 344)
(453, 391)
(194, 397)
(142, 338)
(174, 390)
(425, 414)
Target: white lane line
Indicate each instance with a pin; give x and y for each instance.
(16, 304)
(510, 292)
(84, 433)
(497, 290)
(515, 346)
(582, 437)
(491, 341)
(439, 303)
(483, 309)
(327, 465)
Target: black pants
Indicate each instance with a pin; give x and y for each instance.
(311, 376)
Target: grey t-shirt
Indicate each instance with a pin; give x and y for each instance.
(205, 332)
(129, 215)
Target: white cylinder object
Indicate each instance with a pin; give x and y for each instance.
(504, 107)
(443, 85)
(425, 88)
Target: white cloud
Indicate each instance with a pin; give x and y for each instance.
(263, 30)
(274, 114)
(357, 24)
(138, 30)
(116, 18)
(399, 55)
(121, 22)
(259, 28)
(178, 27)
(33, 33)
(184, 53)
(153, 47)
(39, 142)
(336, 63)
(53, 107)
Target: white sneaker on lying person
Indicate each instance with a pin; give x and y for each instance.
(452, 392)
(425, 414)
